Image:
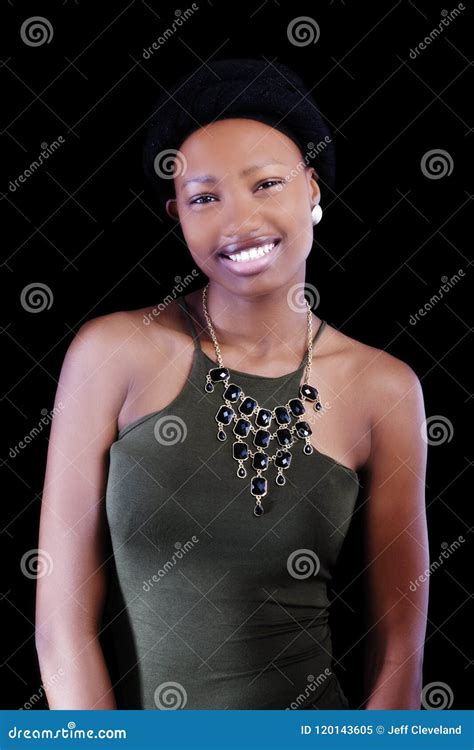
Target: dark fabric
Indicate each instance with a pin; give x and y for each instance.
(223, 624)
(256, 89)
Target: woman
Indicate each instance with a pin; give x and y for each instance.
(226, 474)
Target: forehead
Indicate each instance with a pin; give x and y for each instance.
(229, 145)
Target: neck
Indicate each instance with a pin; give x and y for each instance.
(272, 324)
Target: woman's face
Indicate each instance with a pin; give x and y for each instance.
(244, 182)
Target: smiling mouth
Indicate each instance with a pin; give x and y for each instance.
(251, 253)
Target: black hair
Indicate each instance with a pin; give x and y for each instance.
(266, 91)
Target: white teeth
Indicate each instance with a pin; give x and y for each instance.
(252, 253)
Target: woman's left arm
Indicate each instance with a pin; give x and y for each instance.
(396, 539)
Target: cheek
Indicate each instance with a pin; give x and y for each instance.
(202, 231)
(199, 244)
(297, 223)
(296, 219)
(294, 204)
(193, 230)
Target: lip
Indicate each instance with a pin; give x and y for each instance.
(251, 267)
(236, 247)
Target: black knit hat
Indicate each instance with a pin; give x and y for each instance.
(269, 92)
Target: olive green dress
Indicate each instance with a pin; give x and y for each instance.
(209, 606)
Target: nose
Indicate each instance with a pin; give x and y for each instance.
(242, 218)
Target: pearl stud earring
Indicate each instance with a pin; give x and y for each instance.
(316, 214)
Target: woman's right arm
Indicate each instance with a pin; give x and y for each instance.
(70, 597)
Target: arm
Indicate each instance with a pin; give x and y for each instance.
(69, 600)
(396, 539)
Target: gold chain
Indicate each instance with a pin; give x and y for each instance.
(309, 357)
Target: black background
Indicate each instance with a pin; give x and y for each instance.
(86, 225)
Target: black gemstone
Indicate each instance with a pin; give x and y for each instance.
(241, 473)
(263, 418)
(258, 486)
(282, 416)
(282, 459)
(209, 387)
(240, 451)
(296, 407)
(308, 449)
(308, 392)
(303, 429)
(262, 438)
(242, 427)
(284, 436)
(232, 393)
(225, 415)
(280, 479)
(318, 406)
(260, 460)
(221, 435)
(218, 374)
(248, 406)
(258, 510)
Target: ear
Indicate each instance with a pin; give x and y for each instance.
(172, 208)
(315, 193)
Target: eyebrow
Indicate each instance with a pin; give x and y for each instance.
(209, 178)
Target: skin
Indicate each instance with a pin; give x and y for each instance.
(239, 208)
(373, 422)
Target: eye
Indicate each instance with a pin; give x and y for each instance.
(268, 182)
(200, 197)
(196, 201)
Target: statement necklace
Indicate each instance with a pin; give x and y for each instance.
(239, 409)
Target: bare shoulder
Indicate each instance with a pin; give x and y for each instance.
(380, 379)
(105, 330)
(123, 332)
(103, 341)
(127, 339)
